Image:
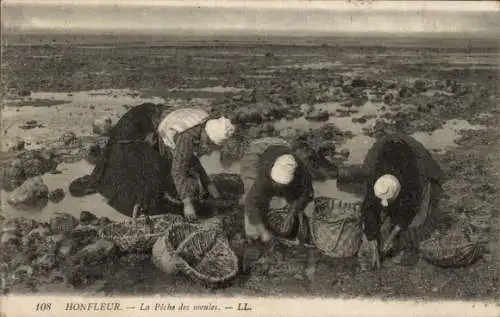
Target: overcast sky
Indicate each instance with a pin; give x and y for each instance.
(257, 16)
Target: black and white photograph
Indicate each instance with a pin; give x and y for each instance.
(288, 149)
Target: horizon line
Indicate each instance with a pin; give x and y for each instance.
(355, 5)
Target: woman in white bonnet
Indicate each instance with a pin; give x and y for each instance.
(402, 189)
(153, 150)
(270, 168)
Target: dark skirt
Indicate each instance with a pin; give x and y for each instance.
(137, 174)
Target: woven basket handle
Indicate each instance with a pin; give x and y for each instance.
(136, 214)
(186, 240)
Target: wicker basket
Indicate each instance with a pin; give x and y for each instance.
(275, 220)
(336, 228)
(207, 257)
(163, 252)
(459, 248)
(134, 238)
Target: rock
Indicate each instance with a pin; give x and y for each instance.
(350, 174)
(362, 83)
(31, 124)
(17, 144)
(249, 115)
(95, 252)
(12, 177)
(56, 195)
(420, 86)
(86, 217)
(36, 163)
(23, 271)
(102, 126)
(361, 120)
(63, 223)
(93, 153)
(68, 138)
(56, 238)
(263, 130)
(24, 93)
(310, 273)
(345, 153)
(405, 92)
(19, 226)
(390, 98)
(103, 221)
(38, 233)
(29, 193)
(80, 275)
(318, 115)
(46, 261)
(390, 84)
(305, 108)
(426, 125)
(66, 248)
(9, 238)
(288, 133)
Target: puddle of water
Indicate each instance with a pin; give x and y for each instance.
(431, 92)
(45, 56)
(445, 137)
(77, 114)
(72, 205)
(343, 123)
(111, 96)
(319, 65)
(216, 89)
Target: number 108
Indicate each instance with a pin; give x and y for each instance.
(43, 306)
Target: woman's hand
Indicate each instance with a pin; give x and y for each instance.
(265, 235)
(388, 244)
(375, 260)
(150, 138)
(189, 211)
(213, 190)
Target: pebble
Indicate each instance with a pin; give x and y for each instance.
(25, 270)
(57, 195)
(310, 272)
(12, 177)
(38, 233)
(298, 277)
(66, 247)
(86, 217)
(68, 137)
(102, 126)
(63, 223)
(8, 238)
(46, 261)
(95, 251)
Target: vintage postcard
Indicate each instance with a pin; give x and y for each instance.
(249, 158)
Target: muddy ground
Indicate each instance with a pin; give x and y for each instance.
(56, 98)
